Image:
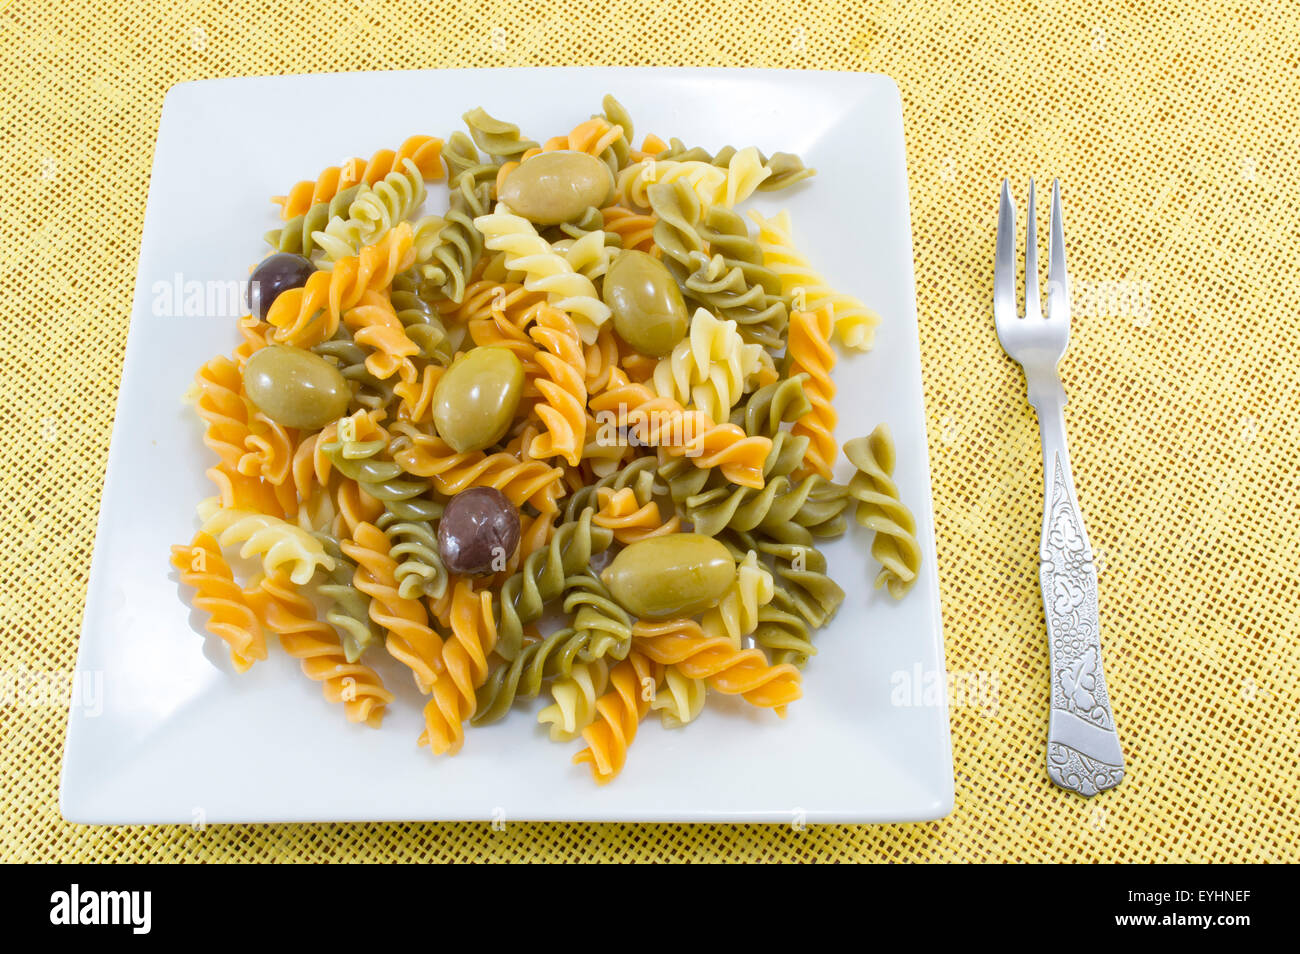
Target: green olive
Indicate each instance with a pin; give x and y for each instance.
(649, 313)
(679, 574)
(477, 397)
(296, 388)
(557, 186)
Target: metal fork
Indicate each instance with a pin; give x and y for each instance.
(1083, 751)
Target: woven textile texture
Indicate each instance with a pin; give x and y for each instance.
(1174, 128)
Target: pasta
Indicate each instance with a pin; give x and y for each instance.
(424, 151)
(410, 639)
(631, 519)
(349, 608)
(618, 714)
(460, 244)
(855, 324)
(680, 700)
(634, 229)
(736, 614)
(663, 422)
(524, 595)
(573, 700)
(307, 315)
(544, 269)
(420, 571)
(597, 617)
(499, 139)
(560, 433)
(711, 368)
(376, 209)
(296, 235)
(356, 456)
(734, 283)
(563, 388)
(278, 543)
(880, 510)
(715, 659)
(810, 353)
(231, 619)
(784, 169)
(465, 668)
(286, 612)
(460, 156)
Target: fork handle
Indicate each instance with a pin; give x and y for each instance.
(1083, 751)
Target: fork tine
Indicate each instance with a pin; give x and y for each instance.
(1058, 282)
(1033, 306)
(1004, 263)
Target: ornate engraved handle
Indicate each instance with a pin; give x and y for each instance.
(1083, 751)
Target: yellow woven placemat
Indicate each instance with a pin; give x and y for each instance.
(1174, 127)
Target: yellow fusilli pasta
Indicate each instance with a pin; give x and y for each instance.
(855, 323)
(680, 699)
(465, 668)
(563, 388)
(712, 367)
(278, 543)
(544, 270)
(573, 705)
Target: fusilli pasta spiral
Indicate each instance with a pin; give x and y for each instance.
(574, 698)
(544, 270)
(349, 608)
(410, 638)
(284, 611)
(523, 597)
(296, 235)
(465, 661)
(563, 388)
(855, 323)
(680, 699)
(230, 618)
(278, 543)
(310, 314)
(424, 151)
(732, 671)
(881, 511)
(710, 369)
(618, 715)
(810, 353)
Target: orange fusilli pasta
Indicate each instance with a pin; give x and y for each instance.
(308, 315)
(465, 667)
(410, 638)
(810, 353)
(618, 715)
(424, 151)
(697, 655)
(231, 619)
(285, 611)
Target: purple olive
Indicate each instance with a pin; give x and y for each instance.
(275, 274)
(478, 532)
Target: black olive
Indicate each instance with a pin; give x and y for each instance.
(478, 532)
(276, 273)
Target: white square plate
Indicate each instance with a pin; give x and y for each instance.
(176, 736)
